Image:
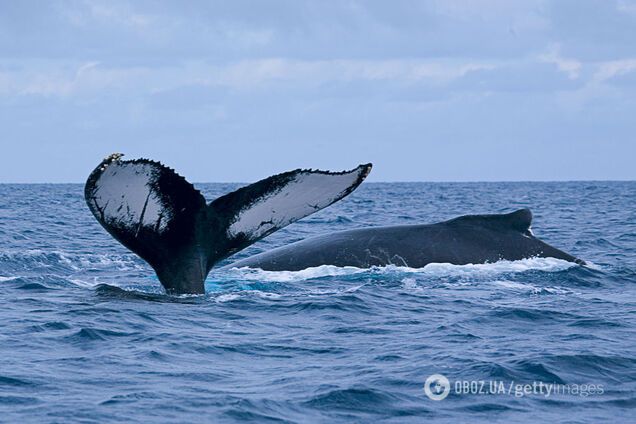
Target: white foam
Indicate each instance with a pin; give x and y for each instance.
(226, 297)
(93, 261)
(500, 267)
(255, 274)
(594, 266)
(332, 291)
(410, 284)
(266, 295)
(7, 278)
(75, 261)
(515, 285)
(27, 253)
(85, 284)
(431, 270)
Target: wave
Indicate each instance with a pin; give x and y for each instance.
(136, 294)
(37, 258)
(87, 261)
(225, 284)
(7, 278)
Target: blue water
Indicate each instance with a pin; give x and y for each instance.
(86, 334)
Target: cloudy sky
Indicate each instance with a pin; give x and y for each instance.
(444, 90)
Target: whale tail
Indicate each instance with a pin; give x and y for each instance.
(160, 216)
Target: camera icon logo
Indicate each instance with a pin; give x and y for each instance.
(437, 387)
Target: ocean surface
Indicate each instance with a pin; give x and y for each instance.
(87, 335)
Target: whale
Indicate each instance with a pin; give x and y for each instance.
(157, 214)
(469, 239)
(165, 220)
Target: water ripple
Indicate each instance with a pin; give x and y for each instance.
(88, 335)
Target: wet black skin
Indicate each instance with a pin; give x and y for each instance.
(468, 239)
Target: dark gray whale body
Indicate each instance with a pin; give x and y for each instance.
(160, 216)
(468, 239)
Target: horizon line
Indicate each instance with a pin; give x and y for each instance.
(380, 182)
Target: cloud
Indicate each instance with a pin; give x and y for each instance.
(601, 85)
(121, 14)
(569, 66)
(207, 80)
(257, 72)
(64, 79)
(611, 69)
(626, 6)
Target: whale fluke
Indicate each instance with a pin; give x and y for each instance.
(160, 216)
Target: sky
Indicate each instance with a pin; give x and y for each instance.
(448, 90)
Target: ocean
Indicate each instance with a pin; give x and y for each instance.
(87, 334)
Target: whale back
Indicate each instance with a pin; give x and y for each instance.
(469, 239)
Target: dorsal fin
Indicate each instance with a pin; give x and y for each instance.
(519, 220)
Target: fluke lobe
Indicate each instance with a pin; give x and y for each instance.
(160, 216)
